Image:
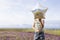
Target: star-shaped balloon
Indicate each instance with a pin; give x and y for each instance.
(39, 11)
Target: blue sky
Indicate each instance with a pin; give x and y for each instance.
(18, 12)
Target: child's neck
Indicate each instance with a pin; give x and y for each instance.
(37, 19)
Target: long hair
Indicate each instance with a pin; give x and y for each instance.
(40, 20)
(41, 23)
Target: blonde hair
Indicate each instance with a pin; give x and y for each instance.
(39, 15)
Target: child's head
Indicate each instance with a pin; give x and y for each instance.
(36, 16)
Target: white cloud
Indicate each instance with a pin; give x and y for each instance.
(6, 19)
(10, 14)
(17, 12)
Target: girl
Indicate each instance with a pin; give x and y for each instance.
(38, 27)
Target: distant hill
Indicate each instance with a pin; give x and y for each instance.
(48, 25)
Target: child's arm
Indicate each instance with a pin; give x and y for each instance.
(33, 26)
(42, 22)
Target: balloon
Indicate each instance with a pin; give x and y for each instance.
(39, 11)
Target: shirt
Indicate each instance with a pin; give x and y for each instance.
(37, 25)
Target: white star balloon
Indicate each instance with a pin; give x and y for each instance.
(39, 11)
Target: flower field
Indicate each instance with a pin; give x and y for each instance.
(26, 34)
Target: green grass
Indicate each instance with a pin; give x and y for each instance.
(18, 30)
(54, 32)
(48, 31)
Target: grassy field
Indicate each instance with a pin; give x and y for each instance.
(48, 31)
(27, 34)
(54, 32)
(18, 30)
